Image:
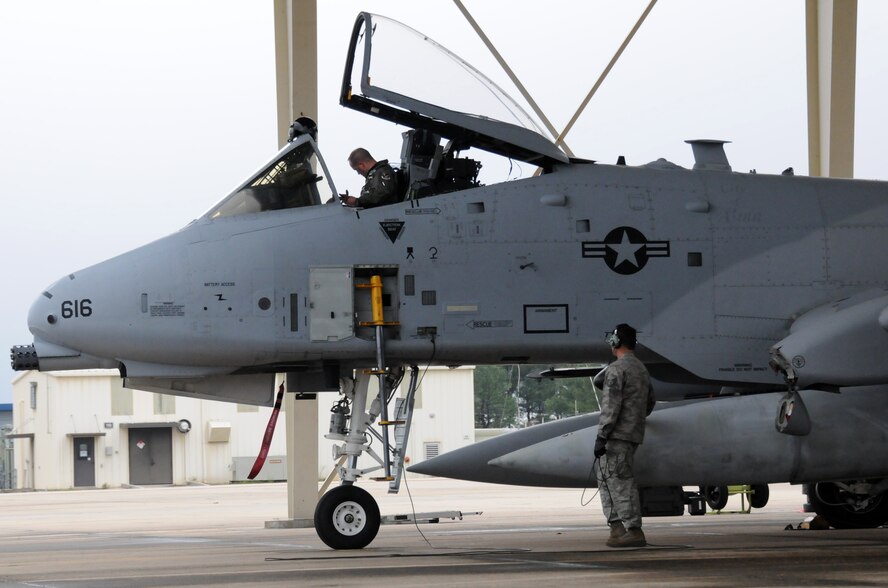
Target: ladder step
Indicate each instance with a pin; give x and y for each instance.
(389, 423)
(378, 324)
(383, 479)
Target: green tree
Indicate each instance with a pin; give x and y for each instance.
(572, 396)
(495, 405)
(533, 396)
(505, 396)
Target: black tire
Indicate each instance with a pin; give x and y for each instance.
(347, 517)
(759, 496)
(716, 496)
(827, 500)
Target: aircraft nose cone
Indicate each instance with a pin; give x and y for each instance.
(460, 464)
(43, 315)
(481, 462)
(41, 312)
(552, 457)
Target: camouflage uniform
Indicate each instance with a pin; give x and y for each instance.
(627, 400)
(379, 189)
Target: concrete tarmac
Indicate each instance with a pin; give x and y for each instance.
(216, 536)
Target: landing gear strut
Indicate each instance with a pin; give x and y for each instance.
(347, 517)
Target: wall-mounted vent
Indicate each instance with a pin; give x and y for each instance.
(432, 449)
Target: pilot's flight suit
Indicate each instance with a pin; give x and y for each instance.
(627, 400)
(379, 189)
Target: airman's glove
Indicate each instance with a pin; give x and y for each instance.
(600, 444)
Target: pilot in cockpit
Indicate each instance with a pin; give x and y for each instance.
(380, 187)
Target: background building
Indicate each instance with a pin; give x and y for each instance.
(83, 429)
(6, 469)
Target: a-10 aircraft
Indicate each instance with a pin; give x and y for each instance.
(767, 292)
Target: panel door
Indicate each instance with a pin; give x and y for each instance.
(151, 456)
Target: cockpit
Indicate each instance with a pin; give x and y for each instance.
(288, 182)
(395, 73)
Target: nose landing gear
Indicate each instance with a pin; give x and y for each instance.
(347, 517)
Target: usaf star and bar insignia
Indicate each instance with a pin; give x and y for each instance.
(625, 250)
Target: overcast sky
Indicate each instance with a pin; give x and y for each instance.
(121, 121)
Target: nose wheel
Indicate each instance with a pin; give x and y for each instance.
(347, 517)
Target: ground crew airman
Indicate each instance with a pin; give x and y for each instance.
(626, 401)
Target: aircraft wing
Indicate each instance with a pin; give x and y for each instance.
(839, 344)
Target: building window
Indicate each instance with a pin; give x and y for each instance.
(33, 395)
(432, 449)
(164, 404)
(121, 398)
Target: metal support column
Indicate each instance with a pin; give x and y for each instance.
(301, 418)
(831, 30)
(296, 57)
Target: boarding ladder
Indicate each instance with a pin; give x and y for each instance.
(392, 455)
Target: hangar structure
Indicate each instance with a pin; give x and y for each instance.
(831, 43)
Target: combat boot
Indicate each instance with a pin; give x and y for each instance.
(634, 537)
(617, 530)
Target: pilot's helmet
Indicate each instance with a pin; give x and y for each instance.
(301, 126)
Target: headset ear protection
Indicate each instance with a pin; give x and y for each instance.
(613, 339)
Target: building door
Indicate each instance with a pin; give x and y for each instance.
(151, 456)
(84, 461)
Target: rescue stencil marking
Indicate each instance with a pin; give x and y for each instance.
(488, 324)
(625, 250)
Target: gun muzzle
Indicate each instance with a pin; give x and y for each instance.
(24, 357)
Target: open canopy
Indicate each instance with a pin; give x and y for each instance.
(405, 77)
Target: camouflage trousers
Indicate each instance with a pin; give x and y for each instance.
(616, 484)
